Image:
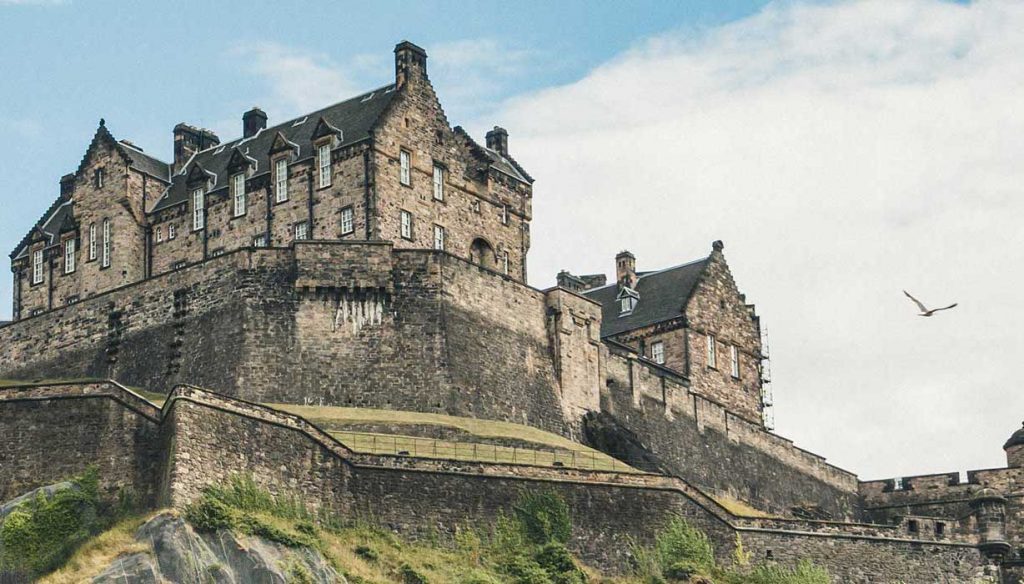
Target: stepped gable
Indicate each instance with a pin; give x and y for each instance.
(352, 119)
(663, 296)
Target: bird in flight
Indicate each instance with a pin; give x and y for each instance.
(925, 311)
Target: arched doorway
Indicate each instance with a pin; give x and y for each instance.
(482, 253)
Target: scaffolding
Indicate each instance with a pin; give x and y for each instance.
(767, 401)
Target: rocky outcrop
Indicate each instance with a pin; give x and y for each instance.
(179, 554)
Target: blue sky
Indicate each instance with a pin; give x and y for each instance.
(843, 150)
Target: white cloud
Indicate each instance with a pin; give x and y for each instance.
(842, 152)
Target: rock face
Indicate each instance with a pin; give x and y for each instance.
(179, 554)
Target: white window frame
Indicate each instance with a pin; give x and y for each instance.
(281, 180)
(69, 256)
(105, 254)
(439, 238)
(92, 241)
(505, 262)
(348, 223)
(238, 187)
(171, 232)
(99, 178)
(323, 156)
(37, 266)
(658, 352)
(301, 231)
(159, 233)
(438, 182)
(198, 209)
(405, 219)
(405, 167)
(734, 361)
(260, 240)
(712, 351)
(504, 214)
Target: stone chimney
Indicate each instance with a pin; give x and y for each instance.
(253, 121)
(188, 140)
(67, 184)
(497, 140)
(1014, 449)
(625, 270)
(410, 63)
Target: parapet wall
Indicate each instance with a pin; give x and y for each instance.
(717, 450)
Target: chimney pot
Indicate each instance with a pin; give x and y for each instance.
(253, 121)
(497, 140)
(625, 269)
(188, 140)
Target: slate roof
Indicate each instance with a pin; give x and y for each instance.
(663, 295)
(50, 224)
(353, 117)
(146, 163)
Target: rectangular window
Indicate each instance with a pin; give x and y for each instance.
(238, 186)
(439, 237)
(406, 225)
(217, 252)
(438, 183)
(324, 158)
(178, 265)
(171, 234)
(301, 231)
(281, 180)
(260, 241)
(159, 233)
(72, 300)
(92, 241)
(106, 244)
(347, 224)
(405, 160)
(99, 178)
(37, 266)
(712, 352)
(658, 352)
(198, 210)
(734, 361)
(504, 261)
(69, 256)
(504, 214)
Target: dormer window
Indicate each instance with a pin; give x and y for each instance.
(238, 186)
(628, 299)
(37, 266)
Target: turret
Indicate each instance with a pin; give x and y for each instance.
(625, 269)
(1014, 449)
(989, 510)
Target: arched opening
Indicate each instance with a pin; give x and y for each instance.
(481, 253)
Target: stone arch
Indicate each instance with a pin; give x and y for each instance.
(481, 252)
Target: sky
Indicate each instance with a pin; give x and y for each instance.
(844, 151)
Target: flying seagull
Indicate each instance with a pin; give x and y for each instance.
(925, 311)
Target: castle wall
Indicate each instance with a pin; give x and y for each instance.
(707, 445)
(52, 433)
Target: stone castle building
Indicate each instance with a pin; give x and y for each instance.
(370, 255)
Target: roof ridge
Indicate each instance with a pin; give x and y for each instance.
(676, 267)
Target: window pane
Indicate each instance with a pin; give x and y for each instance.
(281, 172)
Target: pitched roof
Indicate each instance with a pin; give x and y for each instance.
(50, 224)
(146, 163)
(354, 118)
(500, 162)
(663, 295)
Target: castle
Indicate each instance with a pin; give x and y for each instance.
(369, 255)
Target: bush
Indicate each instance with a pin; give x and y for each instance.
(544, 517)
(559, 564)
(682, 547)
(804, 573)
(411, 576)
(210, 514)
(524, 570)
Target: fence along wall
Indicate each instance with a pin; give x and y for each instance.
(710, 447)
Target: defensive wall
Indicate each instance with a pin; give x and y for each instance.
(200, 437)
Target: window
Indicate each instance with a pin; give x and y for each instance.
(438, 183)
(36, 312)
(171, 234)
(324, 158)
(712, 352)
(658, 352)
(912, 526)
(475, 206)
(69, 256)
(105, 261)
(217, 252)
(439, 237)
(198, 210)
(504, 261)
(281, 180)
(734, 361)
(347, 224)
(99, 178)
(92, 241)
(37, 266)
(628, 300)
(504, 214)
(159, 233)
(405, 159)
(301, 231)
(238, 186)
(406, 225)
(72, 300)
(178, 265)
(940, 528)
(260, 240)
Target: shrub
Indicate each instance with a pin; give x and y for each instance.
(524, 570)
(544, 518)
(210, 514)
(804, 573)
(411, 576)
(682, 546)
(559, 564)
(367, 553)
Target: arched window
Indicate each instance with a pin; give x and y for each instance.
(482, 253)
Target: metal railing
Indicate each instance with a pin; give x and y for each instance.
(369, 443)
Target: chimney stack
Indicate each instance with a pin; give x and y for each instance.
(188, 140)
(410, 63)
(67, 185)
(625, 270)
(497, 140)
(253, 121)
